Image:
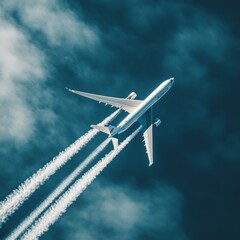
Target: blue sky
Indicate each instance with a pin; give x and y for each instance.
(114, 48)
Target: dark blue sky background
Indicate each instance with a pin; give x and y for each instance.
(113, 48)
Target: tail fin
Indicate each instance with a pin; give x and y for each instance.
(115, 143)
(108, 130)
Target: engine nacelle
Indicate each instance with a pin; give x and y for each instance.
(132, 95)
(157, 122)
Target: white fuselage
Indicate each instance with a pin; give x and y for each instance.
(143, 107)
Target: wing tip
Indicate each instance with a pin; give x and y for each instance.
(70, 90)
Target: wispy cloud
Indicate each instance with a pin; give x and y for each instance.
(113, 211)
(31, 33)
(25, 64)
(55, 21)
(21, 63)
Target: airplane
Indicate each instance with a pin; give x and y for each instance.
(139, 110)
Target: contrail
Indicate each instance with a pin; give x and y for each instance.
(61, 205)
(15, 199)
(59, 190)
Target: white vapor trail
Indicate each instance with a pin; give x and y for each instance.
(61, 205)
(59, 190)
(15, 199)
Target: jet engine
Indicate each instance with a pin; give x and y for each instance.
(157, 122)
(132, 95)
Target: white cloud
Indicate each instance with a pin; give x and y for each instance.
(58, 24)
(20, 63)
(20, 60)
(125, 213)
(24, 67)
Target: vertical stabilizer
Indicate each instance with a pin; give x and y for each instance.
(115, 143)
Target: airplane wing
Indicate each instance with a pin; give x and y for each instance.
(126, 104)
(146, 122)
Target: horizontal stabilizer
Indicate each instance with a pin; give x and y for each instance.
(101, 128)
